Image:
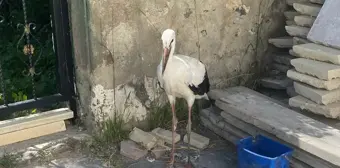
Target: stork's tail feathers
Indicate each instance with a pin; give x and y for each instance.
(206, 102)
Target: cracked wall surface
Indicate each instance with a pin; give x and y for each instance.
(117, 46)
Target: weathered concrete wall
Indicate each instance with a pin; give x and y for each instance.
(117, 46)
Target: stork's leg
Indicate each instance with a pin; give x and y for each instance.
(174, 125)
(188, 135)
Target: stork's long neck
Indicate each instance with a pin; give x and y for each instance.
(170, 57)
(172, 51)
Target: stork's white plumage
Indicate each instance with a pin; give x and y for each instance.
(181, 77)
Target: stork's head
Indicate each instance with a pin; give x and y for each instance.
(168, 39)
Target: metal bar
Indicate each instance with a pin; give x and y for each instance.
(63, 49)
(31, 104)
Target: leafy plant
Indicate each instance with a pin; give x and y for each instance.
(17, 97)
(18, 83)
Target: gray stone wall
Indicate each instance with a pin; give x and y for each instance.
(117, 46)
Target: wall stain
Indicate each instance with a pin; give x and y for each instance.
(187, 13)
(204, 32)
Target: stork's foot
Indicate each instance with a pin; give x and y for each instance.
(171, 164)
(172, 160)
(188, 165)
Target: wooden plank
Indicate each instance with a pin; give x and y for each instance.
(226, 135)
(294, 163)
(33, 132)
(216, 94)
(292, 127)
(299, 154)
(218, 121)
(34, 120)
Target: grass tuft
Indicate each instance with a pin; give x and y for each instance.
(9, 161)
(104, 144)
(161, 116)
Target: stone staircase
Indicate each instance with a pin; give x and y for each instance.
(300, 17)
(316, 78)
(316, 73)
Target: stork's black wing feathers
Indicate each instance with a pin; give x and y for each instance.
(203, 87)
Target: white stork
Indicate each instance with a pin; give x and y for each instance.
(181, 77)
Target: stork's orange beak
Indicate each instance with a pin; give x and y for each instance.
(165, 58)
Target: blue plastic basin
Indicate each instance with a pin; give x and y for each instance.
(262, 152)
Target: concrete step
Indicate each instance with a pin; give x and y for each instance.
(309, 9)
(283, 59)
(281, 42)
(290, 22)
(318, 52)
(297, 31)
(274, 72)
(280, 67)
(290, 14)
(304, 20)
(291, 2)
(330, 111)
(319, 96)
(321, 2)
(321, 70)
(313, 81)
(298, 41)
(278, 82)
(292, 53)
(291, 91)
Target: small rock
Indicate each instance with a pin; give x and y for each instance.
(197, 140)
(158, 151)
(28, 155)
(43, 145)
(166, 135)
(144, 138)
(81, 137)
(58, 148)
(131, 150)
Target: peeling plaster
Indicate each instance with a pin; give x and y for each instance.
(104, 103)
